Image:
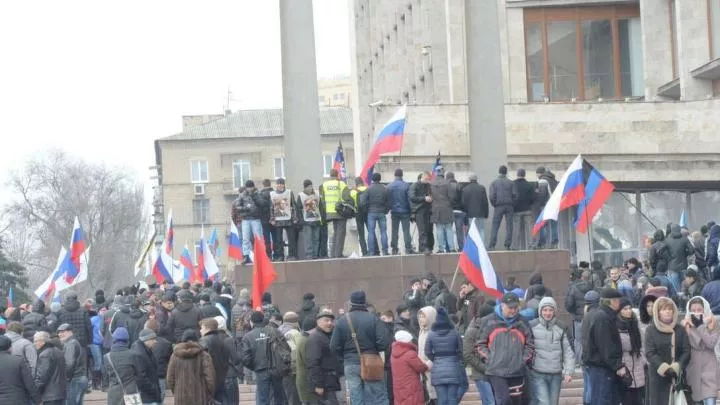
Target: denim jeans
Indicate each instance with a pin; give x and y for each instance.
(251, 228)
(587, 386)
(544, 388)
(268, 387)
(550, 227)
(709, 401)
(76, 390)
(377, 219)
(500, 212)
(96, 352)
(480, 223)
(603, 381)
(460, 218)
(445, 237)
(485, 391)
(397, 220)
(364, 392)
(675, 278)
(311, 235)
(577, 341)
(447, 394)
(163, 387)
(232, 392)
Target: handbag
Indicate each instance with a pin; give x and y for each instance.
(128, 399)
(627, 379)
(372, 366)
(679, 390)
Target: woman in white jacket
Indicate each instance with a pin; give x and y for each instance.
(426, 318)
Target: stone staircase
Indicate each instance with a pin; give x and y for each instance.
(571, 394)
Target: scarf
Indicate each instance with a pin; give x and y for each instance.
(630, 326)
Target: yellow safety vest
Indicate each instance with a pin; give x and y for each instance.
(333, 191)
(354, 194)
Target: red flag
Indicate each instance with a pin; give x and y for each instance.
(263, 272)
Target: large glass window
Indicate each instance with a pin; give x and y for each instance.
(327, 164)
(199, 171)
(714, 15)
(279, 167)
(583, 53)
(201, 211)
(241, 173)
(614, 230)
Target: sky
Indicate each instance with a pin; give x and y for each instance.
(103, 79)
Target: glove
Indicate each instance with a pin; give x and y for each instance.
(671, 373)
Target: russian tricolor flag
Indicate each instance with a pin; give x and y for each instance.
(339, 162)
(597, 191)
(475, 264)
(163, 267)
(568, 193)
(169, 234)
(234, 243)
(49, 287)
(186, 264)
(77, 250)
(388, 140)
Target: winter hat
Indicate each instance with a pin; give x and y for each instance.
(309, 296)
(657, 292)
(222, 323)
(592, 297)
(168, 296)
(267, 298)
(147, 334)
(185, 296)
(120, 335)
(358, 298)
(257, 317)
(308, 324)
(55, 307)
(5, 343)
(99, 297)
(307, 183)
(692, 271)
(625, 302)
(244, 294)
(280, 181)
(204, 297)
(548, 302)
(291, 318)
(189, 336)
(403, 336)
(249, 184)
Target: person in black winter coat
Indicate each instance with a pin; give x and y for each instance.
(219, 352)
(16, 382)
(254, 350)
(50, 377)
(207, 309)
(659, 253)
(378, 206)
(308, 309)
(679, 248)
(575, 305)
(323, 366)
(162, 350)
(121, 368)
(444, 348)
(421, 205)
(185, 316)
(414, 300)
(523, 215)
(503, 195)
(130, 317)
(474, 200)
(77, 316)
(35, 320)
(149, 379)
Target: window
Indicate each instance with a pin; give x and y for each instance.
(279, 167)
(336, 96)
(674, 39)
(327, 164)
(201, 211)
(241, 173)
(714, 15)
(583, 53)
(321, 100)
(199, 171)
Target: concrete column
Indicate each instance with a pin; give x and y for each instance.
(657, 45)
(693, 48)
(303, 153)
(362, 79)
(486, 108)
(516, 61)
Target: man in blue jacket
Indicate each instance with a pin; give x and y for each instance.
(399, 192)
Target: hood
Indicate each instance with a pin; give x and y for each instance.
(71, 303)
(244, 294)
(187, 350)
(714, 231)
(307, 305)
(498, 312)
(547, 302)
(430, 313)
(584, 286)
(658, 236)
(442, 321)
(184, 306)
(675, 231)
(656, 310)
(400, 348)
(242, 302)
(536, 279)
(707, 310)
(39, 306)
(136, 313)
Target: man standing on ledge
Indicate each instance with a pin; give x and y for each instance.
(332, 192)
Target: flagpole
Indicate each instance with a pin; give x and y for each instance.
(452, 283)
(588, 230)
(638, 210)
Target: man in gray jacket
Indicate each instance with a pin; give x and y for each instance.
(21, 347)
(554, 360)
(75, 365)
(503, 194)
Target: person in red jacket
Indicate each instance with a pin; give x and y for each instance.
(406, 368)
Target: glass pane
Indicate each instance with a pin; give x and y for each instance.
(614, 226)
(203, 170)
(535, 62)
(327, 165)
(194, 171)
(715, 27)
(598, 59)
(237, 175)
(662, 207)
(704, 209)
(631, 58)
(562, 51)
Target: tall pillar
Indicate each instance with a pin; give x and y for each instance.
(693, 49)
(656, 45)
(486, 106)
(301, 113)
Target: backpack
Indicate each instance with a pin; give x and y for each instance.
(278, 353)
(447, 300)
(363, 201)
(345, 209)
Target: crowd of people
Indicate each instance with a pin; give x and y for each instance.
(433, 200)
(636, 338)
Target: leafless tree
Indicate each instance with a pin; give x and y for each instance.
(54, 187)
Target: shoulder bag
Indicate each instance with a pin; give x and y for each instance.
(372, 366)
(678, 387)
(129, 399)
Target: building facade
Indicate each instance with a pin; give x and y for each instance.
(632, 85)
(334, 92)
(201, 168)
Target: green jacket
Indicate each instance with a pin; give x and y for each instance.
(471, 358)
(301, 382)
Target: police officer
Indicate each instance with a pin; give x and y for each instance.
(333, 192)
